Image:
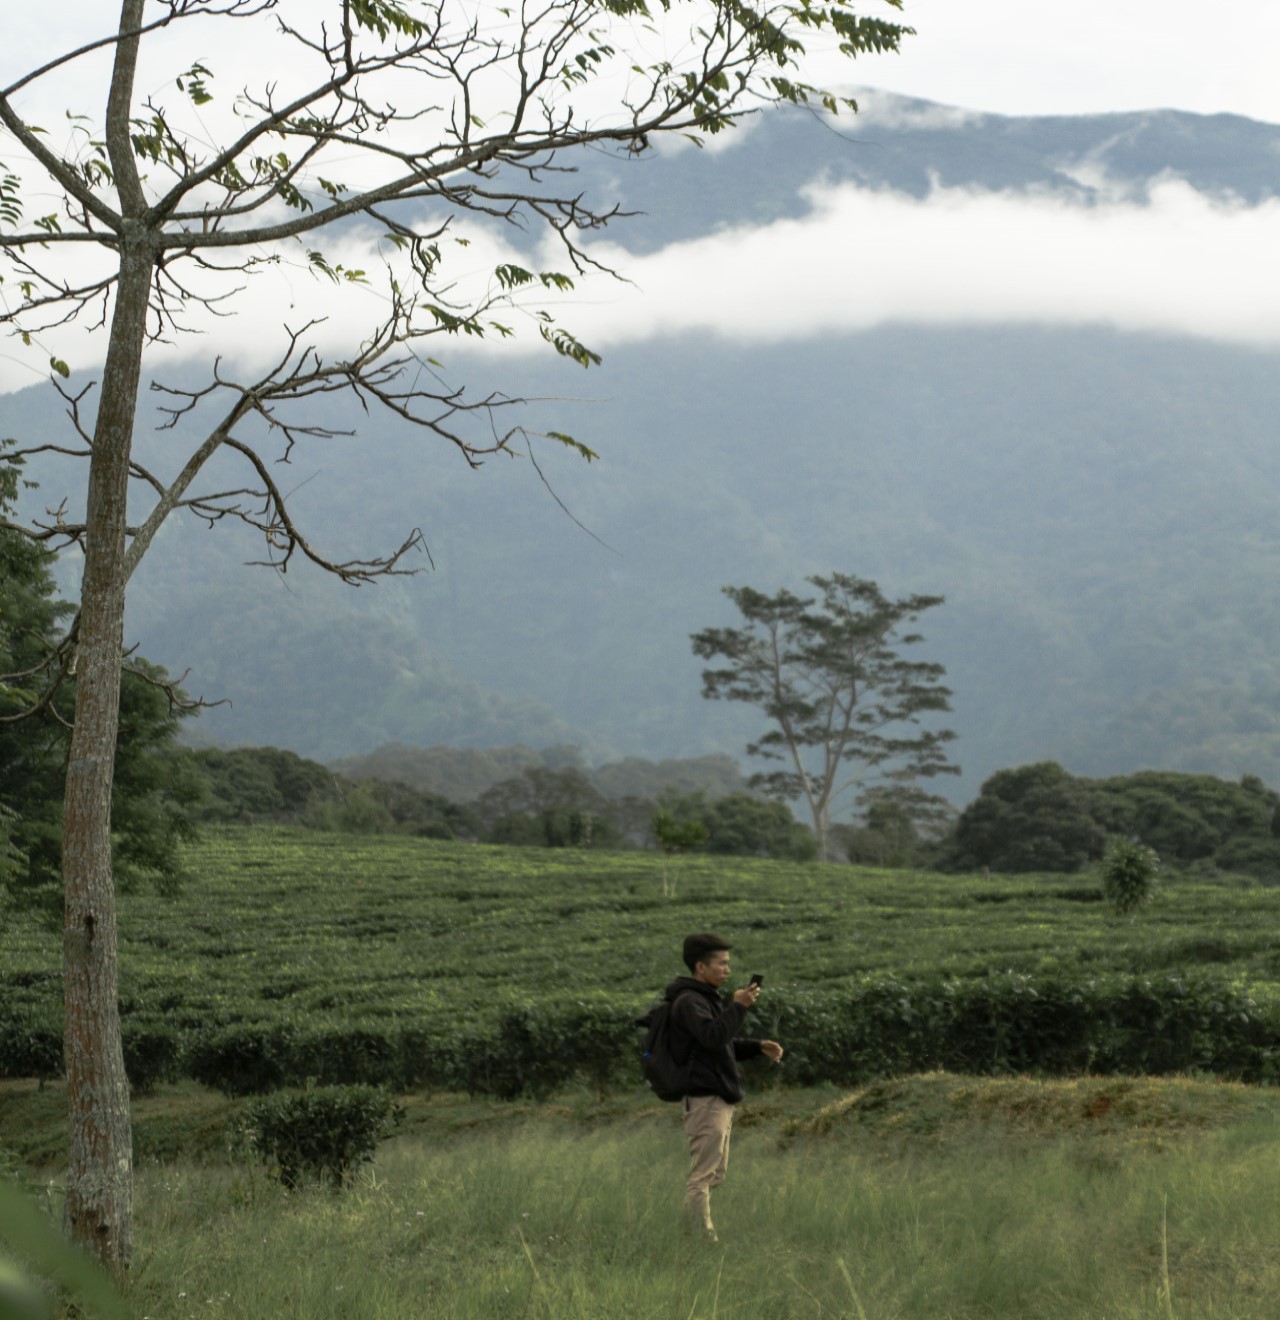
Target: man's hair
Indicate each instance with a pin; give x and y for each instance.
(699, 948)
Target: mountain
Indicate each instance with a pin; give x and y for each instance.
(913, 146)
(1097, 507)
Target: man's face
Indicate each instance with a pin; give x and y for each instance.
(715, 970)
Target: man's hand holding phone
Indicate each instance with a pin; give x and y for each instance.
(748, 995)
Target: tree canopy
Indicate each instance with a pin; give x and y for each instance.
(1042, 818)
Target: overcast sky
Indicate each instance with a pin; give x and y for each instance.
(1090, 56)
(1182, 263)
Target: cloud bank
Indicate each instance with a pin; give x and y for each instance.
(1181, 263)
(1176, 263)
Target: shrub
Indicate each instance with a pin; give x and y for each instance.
(30, 1047)
(324, 1131)
(525, 1053)
(339, 1052)
(152, 1054)
(242, 1059)
(602, 1044)
(1129, 872)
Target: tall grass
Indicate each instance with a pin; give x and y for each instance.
(539, 1223)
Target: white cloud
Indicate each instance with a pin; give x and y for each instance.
(880, 109)
(1182, 264)
(1178, 263)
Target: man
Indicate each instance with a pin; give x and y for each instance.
(705, 1028)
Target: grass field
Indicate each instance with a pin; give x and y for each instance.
(931, 1198)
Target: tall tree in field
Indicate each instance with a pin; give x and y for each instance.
(844, 704)
(160, 196)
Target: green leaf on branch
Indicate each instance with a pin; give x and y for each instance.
(569, 346)
(60, 367)
(454, 324)
(512, 276)
(10, 198)
(339, 273)
(570, 443)
(385, 17)
(319, 262)
(194, 83)
(153, 141)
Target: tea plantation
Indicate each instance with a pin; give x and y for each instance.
(293, 955)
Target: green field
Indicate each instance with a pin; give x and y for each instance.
(273, 921)
(935, 1197)
(291, 955)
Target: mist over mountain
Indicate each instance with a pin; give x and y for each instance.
(913, 146)
(1097, 506)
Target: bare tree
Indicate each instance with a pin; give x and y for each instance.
(163, 211)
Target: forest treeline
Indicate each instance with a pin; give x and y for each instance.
(550, 799)
(1034, 818)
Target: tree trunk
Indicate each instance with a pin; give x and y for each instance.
(822, 828)
(100, 1176)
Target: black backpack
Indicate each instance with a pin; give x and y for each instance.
(660, 1060)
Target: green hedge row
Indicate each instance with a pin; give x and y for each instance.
(1013, 1023)
(1007, 1023)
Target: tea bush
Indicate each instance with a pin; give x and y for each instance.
(324, 1131)
(1010, 1022)
(1129, 871)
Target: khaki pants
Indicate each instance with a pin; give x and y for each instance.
(708, 1121)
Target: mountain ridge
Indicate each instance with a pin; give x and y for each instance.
(1094, 504)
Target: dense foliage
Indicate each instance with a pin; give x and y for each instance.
(406, 962)
(462, 774)
(1129, 872)
(737, 824)
(1040, 818)
(541, 806)
(153, 791)
(324, 1131)
(248, 784)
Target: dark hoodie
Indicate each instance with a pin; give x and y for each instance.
(710, 1025)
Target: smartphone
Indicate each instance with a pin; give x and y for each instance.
(757, 978)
